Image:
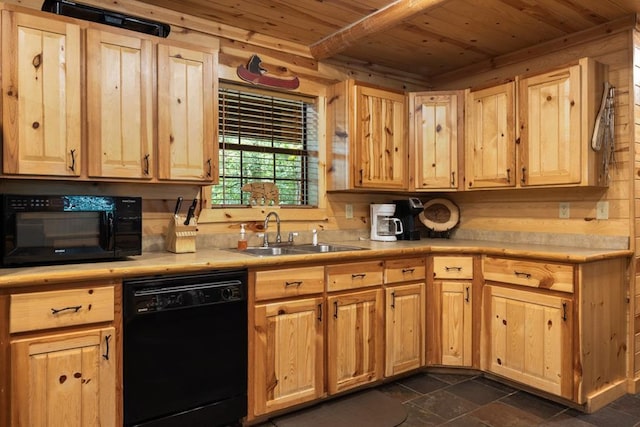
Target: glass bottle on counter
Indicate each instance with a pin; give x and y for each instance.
(242, 240)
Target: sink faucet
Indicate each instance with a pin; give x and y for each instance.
(266, 226)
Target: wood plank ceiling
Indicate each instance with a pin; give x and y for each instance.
(425, 37)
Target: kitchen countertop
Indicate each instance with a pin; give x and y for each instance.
(152, 263)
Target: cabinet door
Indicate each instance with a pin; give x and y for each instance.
(187, 114)
(433, 139)
(404, 342)
(354, 339)
(288, 362)
(41, 96)
(531, 338)
(380, 143)
(550, 128)
(119, 105)
(490, 155)
(64, 380)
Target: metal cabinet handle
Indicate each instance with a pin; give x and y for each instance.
(408, 270)
(453, 179)
(75, 309)
(522, 274)
(393, 299)
(509, 175)
(73, 160)
(295, 283)
(452, 268)
(320, 312)
(210, 168)
(358, 276)
(335, 309)
(564, 311)
(467, 297)
(523, 179)
(146, 164)
(105, 356)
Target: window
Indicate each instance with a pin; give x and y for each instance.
(266, 137)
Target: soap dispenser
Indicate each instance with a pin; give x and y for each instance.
(242, 240)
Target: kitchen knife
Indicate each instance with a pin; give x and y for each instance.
(190, 212)
(178, 205)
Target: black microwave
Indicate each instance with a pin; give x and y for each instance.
(39, 230)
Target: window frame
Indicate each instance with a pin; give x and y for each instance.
(233, 214)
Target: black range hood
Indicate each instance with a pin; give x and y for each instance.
(94, 14)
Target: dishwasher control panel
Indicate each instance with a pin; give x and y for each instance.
(153, 296)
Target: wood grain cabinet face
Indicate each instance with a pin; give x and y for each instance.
(435, 139)
(354, 339)
(288, 362)
(404, 328)
(41, 96)
(369, 147)
(67, 379)
(490, 148)
(119, 105)
(531, 338)
(187, 113)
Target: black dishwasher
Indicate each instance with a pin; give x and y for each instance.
(185, 349)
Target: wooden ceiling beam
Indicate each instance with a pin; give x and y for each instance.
(380, 20)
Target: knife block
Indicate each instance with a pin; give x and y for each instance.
(181, 238)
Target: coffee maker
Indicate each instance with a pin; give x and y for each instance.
(406, 211)
(384, 227)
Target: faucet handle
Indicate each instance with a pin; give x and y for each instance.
(291, 236)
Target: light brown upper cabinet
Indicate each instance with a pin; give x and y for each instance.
(436, 139)
(549, 141)
(490, 152)
(368, 146)
(556, 115)
(187, 113)
(41, 96)
(119, 105)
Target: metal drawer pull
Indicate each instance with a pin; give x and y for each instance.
(467, 297)
(335, 309)
(296, 283)
(75, 308)
(106, 343)
(452, 268)
(393, 299)
(358, 276)
(521, 274)
(564, 311)
(408, 270)
(320, 312)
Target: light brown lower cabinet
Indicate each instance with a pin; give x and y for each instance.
(66, 379)
(531, 338)
(288, 355)
(354, 339)
(404, 328)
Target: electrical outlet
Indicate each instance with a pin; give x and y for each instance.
(602, 210)
(348, 211)
(565, 210)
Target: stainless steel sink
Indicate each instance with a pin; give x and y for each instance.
(325, 247)
(297, 249)
(271, 250)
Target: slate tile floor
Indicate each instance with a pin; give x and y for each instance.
(474, 401)
(454, 400)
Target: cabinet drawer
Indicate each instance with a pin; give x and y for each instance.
(354, 275)
(289, 282)
(53, 309)
(453, 267)
(536, 274)
(404, 270)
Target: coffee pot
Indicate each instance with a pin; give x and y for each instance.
(384, 227)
